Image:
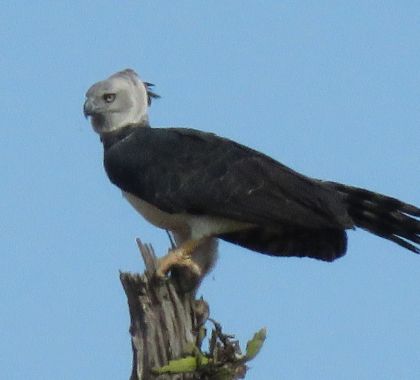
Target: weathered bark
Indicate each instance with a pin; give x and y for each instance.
(167, 324)
(163, 320)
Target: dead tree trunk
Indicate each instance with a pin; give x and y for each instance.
(167, 325)
(162, 320)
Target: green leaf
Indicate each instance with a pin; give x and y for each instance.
(254, 345)
(183, 365)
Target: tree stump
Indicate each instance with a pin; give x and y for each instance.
(167, 331)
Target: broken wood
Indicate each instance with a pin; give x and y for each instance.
(167, 330)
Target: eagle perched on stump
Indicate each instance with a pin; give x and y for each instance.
(203, 187)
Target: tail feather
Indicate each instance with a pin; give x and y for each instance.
(381, 215)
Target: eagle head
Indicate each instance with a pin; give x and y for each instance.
(119, 101)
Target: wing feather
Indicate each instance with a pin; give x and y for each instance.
(188, 171)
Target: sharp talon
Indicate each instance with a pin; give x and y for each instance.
(160, 275)
(163, 267)
(191, 265)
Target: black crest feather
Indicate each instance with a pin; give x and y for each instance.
(150, 94)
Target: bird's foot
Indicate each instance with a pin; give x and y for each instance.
(178, 257)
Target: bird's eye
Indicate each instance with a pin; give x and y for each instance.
(109, 98)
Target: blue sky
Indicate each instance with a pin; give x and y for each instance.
(331, 89)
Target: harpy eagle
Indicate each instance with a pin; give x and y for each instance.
(202, 187)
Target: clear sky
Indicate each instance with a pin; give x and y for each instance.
(331, 89)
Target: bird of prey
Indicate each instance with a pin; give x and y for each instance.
(202, 187)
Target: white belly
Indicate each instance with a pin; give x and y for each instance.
(195, 226)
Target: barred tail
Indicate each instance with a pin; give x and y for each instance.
(382, 215)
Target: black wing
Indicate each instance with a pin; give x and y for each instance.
(184, 170)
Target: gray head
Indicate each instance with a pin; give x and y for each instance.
(118, 101)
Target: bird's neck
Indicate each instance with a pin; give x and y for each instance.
(110, 138)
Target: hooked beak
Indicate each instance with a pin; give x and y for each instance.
(88, 108)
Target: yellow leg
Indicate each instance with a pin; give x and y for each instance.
(180, 256)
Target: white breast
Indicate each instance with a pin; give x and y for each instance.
(159, 218)
(195, 226)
